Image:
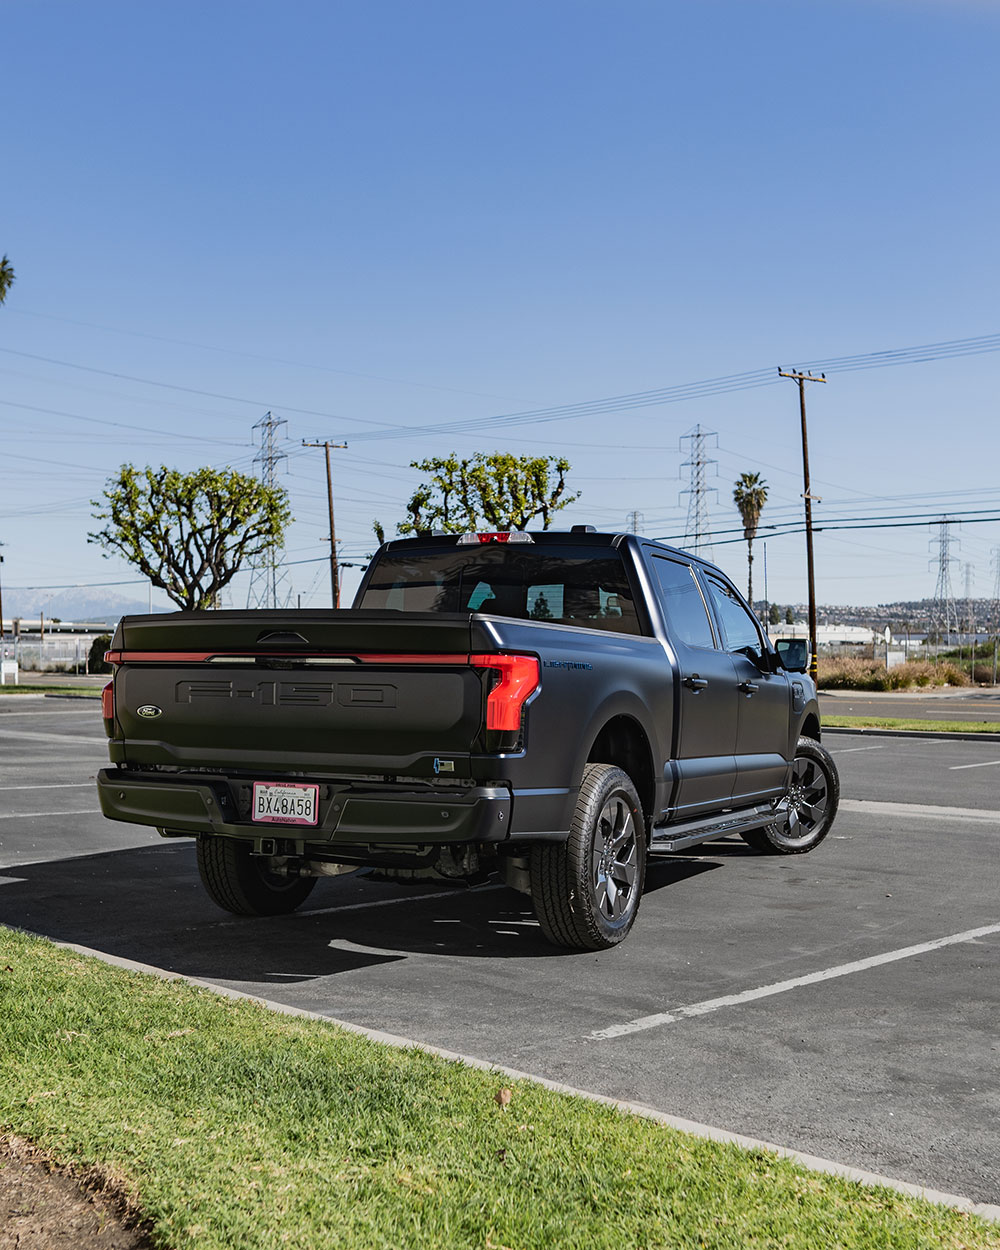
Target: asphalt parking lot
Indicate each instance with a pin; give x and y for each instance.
(843, 1004)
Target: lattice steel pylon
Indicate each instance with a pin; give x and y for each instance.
(698, 532)
(269, 586)
(944, 617)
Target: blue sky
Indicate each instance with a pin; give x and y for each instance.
(362, 216)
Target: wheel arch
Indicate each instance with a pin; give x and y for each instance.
(810, 727)
(622, 741)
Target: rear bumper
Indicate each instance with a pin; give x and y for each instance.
(348, 814)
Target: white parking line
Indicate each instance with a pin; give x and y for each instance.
(51, 785)
(97, 740)
(848, 750)
(86, 811)
(49, 711)
(927, 811)
(955, 768)
(782, 987)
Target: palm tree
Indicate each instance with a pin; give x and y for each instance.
(750, 495)
(6, 277)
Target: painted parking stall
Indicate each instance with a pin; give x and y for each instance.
(842, 1004)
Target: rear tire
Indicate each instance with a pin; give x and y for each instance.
(243, 884)
(807, 810)
(587, 890)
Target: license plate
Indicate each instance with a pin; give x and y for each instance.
(285, 803)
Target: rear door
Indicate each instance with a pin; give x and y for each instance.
(707, 699)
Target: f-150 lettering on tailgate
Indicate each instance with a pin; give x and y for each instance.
(290, 693)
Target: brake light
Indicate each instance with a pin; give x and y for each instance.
(519, 679)
(494, 536)
(108, 701)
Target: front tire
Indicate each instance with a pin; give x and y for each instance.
(807, 810)
(243, 884)
(587, 890)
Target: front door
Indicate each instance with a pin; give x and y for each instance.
(707, 700)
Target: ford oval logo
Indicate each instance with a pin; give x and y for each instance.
(148, 711)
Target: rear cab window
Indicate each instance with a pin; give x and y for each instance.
(562, 585)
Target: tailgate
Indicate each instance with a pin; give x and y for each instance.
(334, 691)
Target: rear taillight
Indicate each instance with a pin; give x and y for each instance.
(519, 679)
(108, 701)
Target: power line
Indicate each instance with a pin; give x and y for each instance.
(748, 380)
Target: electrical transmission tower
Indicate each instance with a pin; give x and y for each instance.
(698, 533)
(269, 586)
(635, 521)
(944, 617)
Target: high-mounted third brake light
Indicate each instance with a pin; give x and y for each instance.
(519, 679)
(494, 536)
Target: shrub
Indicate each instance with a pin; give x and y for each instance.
(95, 660)
(855, 674)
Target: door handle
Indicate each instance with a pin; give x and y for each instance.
(748, 687)
(696, 683)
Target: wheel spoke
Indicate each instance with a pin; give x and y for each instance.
(614, 859)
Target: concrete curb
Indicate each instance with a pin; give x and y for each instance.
(986, 1211)
(911, 733)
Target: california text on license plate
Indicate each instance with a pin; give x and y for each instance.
(285, 803)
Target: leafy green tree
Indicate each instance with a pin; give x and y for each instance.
(774, 616)
(189, 533)
(496, 492)
(6, 277)
(749, 495)
(789, 616)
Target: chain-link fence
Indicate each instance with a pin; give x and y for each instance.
(54, 654)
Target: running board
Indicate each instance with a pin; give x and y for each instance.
(678, 837)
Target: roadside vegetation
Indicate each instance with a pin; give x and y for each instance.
(925, 726)
(227, 1125)
(854, 674)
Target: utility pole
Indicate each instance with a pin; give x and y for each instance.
(801, 379)
(334, 575)
(1, 604)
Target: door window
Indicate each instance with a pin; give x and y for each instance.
(739, 628)
(683, 604)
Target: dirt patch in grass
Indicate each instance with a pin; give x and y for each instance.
(43, 1207)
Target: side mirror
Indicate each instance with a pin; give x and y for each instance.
(793, 653)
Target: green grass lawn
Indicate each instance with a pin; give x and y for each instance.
(232, 1126)
(86, 692)
(928, 726)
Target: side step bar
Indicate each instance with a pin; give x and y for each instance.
(679, 836)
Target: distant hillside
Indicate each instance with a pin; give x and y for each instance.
(82, 604)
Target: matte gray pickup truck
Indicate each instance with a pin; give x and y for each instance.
(552, 707)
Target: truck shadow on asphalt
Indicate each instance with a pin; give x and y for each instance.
(147, 905)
